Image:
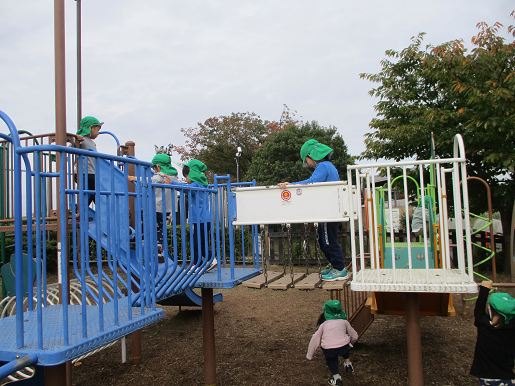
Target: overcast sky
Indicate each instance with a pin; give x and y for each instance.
(153, 67)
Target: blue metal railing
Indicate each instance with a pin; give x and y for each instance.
(114, 257)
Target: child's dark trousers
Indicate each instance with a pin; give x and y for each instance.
(331, 357)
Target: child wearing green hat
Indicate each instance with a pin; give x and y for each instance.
(317, 156)
(88, 131)
(164, 173)
(336, 336)
(198, 207)
(494, 354)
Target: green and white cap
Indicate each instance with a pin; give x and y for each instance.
(86, 123)
(333, 310)
(504, 304)
(314, 150)
(196, 171)
(165, 162)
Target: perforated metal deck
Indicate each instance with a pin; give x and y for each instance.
(210, 279)
(54, 351)
(431, 280)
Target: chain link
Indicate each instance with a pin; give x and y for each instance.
(290, 255)
(284, 237)
(317, 249)
(263, 255)
(306, 243)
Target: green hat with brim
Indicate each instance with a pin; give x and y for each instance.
(504, 304)
(196, 171)
(86, 123)
(314, 150)
(165, 162)
(333, 310)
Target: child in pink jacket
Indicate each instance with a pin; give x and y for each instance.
(336, 336)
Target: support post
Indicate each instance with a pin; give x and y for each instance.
(136, 335)
(55, 375)
(58, 374)
(136, 347)
(414, 341)
(209, 336)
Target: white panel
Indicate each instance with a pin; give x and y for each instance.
(319, 202)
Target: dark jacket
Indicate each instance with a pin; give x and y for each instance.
(495, 348)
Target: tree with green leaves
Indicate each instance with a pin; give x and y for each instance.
(279, 158)
(215, 141)
(447, 90)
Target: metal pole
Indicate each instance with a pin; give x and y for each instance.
(131, 151)
(136, 335)
(209, 336)
(414, 341)
(60, 73)
(79, 63)
(57, 375)
(238, 155)
(490, 214)
(237, 169)
(60, 103)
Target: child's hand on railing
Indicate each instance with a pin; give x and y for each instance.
(487, 284)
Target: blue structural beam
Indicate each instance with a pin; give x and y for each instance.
(17, 364)
(188, 298)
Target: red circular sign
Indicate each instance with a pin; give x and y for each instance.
(285, 195)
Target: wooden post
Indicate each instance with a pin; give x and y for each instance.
(209, 336)
(55, 375)
(136, 335)
(414, 341)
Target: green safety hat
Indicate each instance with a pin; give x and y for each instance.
(86, 123)
(504, 304)
(165, 162)
(315, 150)
(196, 171)
(333, 310)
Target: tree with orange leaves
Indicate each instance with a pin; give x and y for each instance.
(447, 90)
(215, 141)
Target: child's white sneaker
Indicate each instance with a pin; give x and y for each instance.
(337, 382)
(213, 265)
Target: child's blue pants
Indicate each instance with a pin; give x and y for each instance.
(328, 240)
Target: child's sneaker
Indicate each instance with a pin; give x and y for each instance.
(213, 265)
(337, 382)
(349, 369)
(327, 270)
(336, 275)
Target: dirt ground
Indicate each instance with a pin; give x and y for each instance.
(262, 338)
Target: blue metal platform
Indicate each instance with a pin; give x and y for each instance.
(120, 275)
(212, 280)
(54, 350)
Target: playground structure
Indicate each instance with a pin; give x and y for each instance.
(403, 288)
(124, 254)
(121, 281)
(113, 281)
(399, 287)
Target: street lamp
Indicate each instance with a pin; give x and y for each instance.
(238, 155)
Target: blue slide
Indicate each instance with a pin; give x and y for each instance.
(174, 283)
